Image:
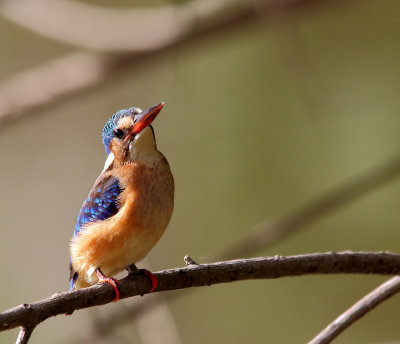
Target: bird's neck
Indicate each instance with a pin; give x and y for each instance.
(143, 148)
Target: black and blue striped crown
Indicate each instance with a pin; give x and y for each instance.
(108, 130)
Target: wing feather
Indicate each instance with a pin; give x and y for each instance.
(101, 203)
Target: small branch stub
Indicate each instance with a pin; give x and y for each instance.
(189, 261)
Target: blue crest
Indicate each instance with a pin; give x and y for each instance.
(107, 133)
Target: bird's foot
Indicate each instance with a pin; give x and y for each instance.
(112, 281)
(153, 279)
(132, 269)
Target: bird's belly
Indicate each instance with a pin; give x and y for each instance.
(130, 248)
(125, 238)
(115, 245)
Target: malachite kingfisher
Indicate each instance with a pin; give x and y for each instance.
(129, 206)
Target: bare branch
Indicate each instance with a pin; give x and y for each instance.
(42, 86)
(274, 231)
(30, 315)
(358, 310)
(108, 29)
(134, 30)
(269, 232)
(24, 335)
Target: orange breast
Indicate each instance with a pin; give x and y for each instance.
(125, 238)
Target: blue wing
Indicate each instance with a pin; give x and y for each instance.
(101, 203)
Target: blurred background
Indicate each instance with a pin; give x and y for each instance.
(270, 106)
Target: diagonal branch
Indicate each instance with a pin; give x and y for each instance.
(358, 310)
(24, 335)
(133, 30)
(30, 315)
(42, 86)
(272, 231)
(67, 75)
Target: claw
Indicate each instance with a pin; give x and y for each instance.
(112, 281)
(153, 279)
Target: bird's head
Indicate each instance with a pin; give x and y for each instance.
(128, 134)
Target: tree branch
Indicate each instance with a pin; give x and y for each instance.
(42, 86)
(268, 233)
(272, 231)
(133, 29)
(24, 335)
(358, 310)
(30, 315)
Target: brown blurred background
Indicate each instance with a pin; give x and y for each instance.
(261, 117)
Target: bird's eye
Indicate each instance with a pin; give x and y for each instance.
(118, 133)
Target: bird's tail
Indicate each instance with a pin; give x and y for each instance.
(73, 276)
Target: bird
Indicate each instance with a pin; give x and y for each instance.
(129, 206)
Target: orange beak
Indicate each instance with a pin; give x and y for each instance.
(144, 119)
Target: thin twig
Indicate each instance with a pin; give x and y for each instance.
(30, 315)
(358, 310)
(24, 335)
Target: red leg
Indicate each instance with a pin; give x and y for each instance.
(112, 281)
(153, 279)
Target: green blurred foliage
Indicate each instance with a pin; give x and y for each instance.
(257, 122)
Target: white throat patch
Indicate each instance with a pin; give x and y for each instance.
(143, 147)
